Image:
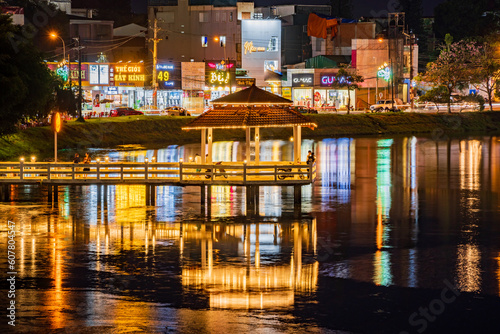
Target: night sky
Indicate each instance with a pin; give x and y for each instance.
(372, 8)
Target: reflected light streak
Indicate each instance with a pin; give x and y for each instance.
(470, 163)
(469, 268)
(382, 258)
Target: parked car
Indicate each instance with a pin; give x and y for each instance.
(304, 110)
(175, 111)
(125, 111)
(384, 105)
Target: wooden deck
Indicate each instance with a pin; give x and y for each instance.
(157, 173)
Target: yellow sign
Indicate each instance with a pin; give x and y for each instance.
(219, 78)
(163, 76)
(250, 48)
(286, 92)
(57, 122)
(129, 73)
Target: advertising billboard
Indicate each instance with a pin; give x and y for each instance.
(261, 47)
(168, 76)
(128, 74)
(220, 73)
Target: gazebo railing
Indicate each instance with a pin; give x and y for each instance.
(153, 172)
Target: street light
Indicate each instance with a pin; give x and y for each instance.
(54, 35)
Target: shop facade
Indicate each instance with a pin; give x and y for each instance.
(315, 89)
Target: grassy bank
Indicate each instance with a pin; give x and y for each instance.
(162, 131)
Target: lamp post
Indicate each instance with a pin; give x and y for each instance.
(54, 35)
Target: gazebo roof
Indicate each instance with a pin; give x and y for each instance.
(252, 96)
(249, 116)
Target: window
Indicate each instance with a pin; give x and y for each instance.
(204, 41)
(217, 16)
(222, 41)
(230, 16)
(273, 44)
(203, 17)
(319, 42)
(223, 17)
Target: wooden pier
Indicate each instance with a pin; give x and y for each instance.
(152, 174)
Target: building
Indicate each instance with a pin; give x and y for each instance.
(131, 39)
(295, 44)
(95, 36)
(17, 14)
(62, 5)
(197, 30)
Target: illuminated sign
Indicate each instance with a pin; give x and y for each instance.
(98, 74)
(222, 66)
(245, 82)
(104, 74)
(63, 72)
(94, 74)
(329, 80)
(111, 90)
(302, 80)
(286, 92)
(249, 48)
(164, 75)
(384, 72)
(56, 122)
(220, 74)
(219, 78)
(129, 75)
(74, 70)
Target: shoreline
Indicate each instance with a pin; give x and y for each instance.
(161, 131)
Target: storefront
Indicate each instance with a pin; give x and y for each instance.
(169, 85)
(302, 89)
(309, 88)
(106, 85)
(327, 97)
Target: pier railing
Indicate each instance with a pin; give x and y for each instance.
(231, 173)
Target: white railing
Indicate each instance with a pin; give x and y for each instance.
(157, 172)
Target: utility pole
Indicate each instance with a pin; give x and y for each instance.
(155, 41)
(80, 118)
(412, 38)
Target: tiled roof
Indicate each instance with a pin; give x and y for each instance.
(254, 96)
(249, 116)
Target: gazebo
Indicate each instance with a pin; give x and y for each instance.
(250, 108)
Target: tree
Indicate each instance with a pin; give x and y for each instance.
(488, 74)
(455, 67)
(347, 78)
(26, 83)
(435, 95)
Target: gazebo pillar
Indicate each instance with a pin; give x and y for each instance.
(257, 145)
(203, 144)
(209, 159)
(247, 144)
(297, 142)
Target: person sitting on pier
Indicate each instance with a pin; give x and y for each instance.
(310, 158)
(76, 159)
(86, 160)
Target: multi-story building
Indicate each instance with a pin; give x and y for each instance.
(295, 44)
(95, 37)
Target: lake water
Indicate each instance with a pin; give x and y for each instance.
(389, 215)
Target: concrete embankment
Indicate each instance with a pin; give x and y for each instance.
(154, 131)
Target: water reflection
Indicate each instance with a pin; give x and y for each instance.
(406, 211)
(267, 264)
